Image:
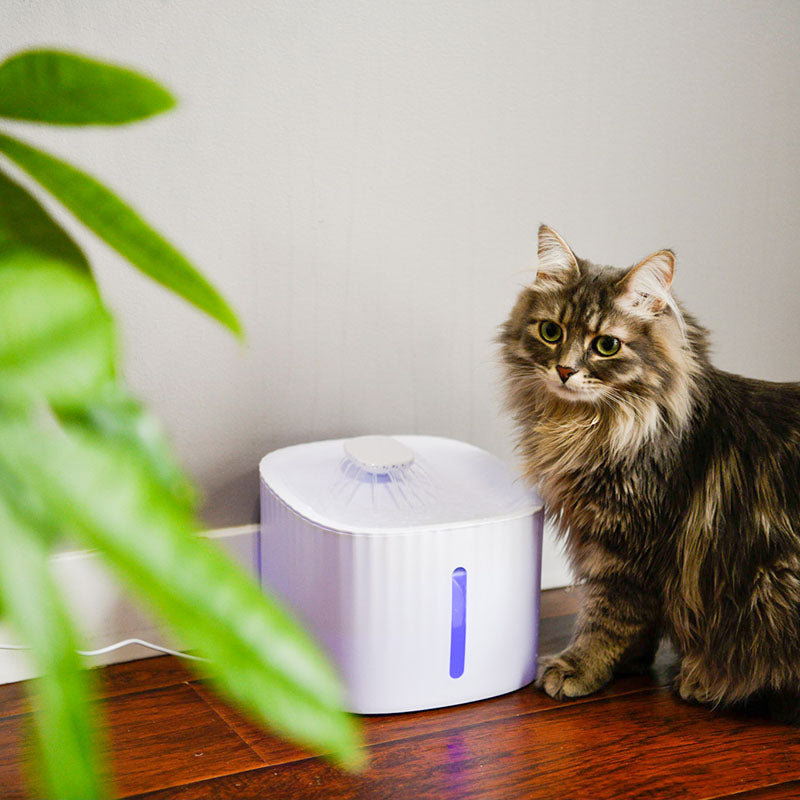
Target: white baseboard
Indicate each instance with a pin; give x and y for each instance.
(556, 571)
(105, 613)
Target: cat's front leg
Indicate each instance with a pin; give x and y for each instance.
(616, 627)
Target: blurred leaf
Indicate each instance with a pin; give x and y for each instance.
(258, 656)
(121, 422)
(56, 339)
(22, 498)
(70, 89)
(24, 224)
(63, 734)
(121, 227)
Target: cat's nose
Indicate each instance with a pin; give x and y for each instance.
(565, 372)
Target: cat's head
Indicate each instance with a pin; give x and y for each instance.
(602, 337)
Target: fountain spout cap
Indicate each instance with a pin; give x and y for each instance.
(378, 455)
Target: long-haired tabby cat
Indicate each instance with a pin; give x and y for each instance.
(676, 485)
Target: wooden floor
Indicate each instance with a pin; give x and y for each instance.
(172, 739)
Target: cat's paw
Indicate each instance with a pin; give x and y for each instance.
(689, 691)
(566, 675)
(691, 684)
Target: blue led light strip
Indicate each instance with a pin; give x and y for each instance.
(458, 622)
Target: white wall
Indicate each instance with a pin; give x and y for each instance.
(364, 181)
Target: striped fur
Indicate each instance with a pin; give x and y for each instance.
(675, 485)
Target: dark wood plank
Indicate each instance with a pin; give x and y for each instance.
(164, 737)
(146, 673)
(642, 745)
(270, 748)
(159, 738)
(554, 634)
(115, 679)
(778, 791)
(13, 698)
(12, 758)
(393, 727)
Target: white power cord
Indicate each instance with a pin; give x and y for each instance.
(116, 646)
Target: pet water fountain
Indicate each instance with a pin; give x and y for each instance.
(413, 560)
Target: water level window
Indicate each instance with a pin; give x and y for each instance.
(458, 622)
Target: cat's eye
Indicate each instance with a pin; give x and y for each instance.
(550, 331)
(606, 345)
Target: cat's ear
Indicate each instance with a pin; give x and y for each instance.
(557, 263)
(645, 288)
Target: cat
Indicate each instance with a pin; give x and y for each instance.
(675, 485)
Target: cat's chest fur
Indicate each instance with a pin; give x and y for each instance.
(601, 502)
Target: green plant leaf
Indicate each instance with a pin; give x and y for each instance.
(24, 224)
(64, 738)
(70, 89)
(258, 656)
(121, 227)
(123, 423)
(56, 339)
